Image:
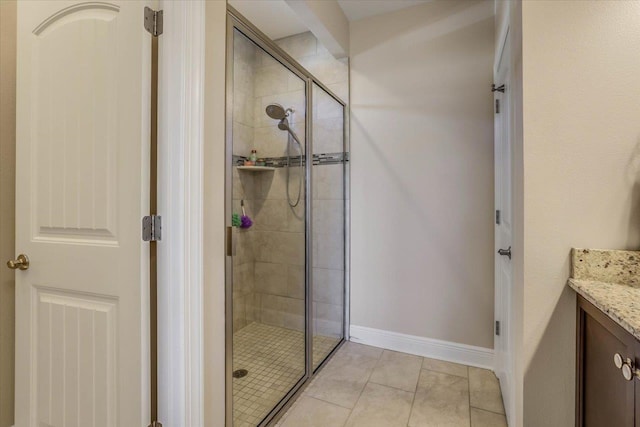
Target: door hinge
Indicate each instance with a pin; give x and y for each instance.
(497, 327)
(497, 106)
(153, 21)
(498, 216)
(152, 228)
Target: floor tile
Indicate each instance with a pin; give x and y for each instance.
(346, 392)
(399, 370)
(343, 379)
(362, 350)
(445, 367)
(310, 412)
(441, 400)
(485, 390)
(480, 418)
(381, 406)
(274, 359)
(343, 357)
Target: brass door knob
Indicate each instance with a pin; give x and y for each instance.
(21, 263)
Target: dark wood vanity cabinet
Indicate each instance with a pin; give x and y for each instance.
(605, 398)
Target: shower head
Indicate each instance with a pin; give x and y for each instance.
(283, 124)
(276, 111)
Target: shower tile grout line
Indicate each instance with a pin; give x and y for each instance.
(272, 374)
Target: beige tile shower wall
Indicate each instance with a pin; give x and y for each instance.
(276, 84)
(279, 249)
(244, 61)
(278, 239)
(312, 55)
(279, 229)
(328, 249)
(244, 309)
(328, 217)
(328, 186)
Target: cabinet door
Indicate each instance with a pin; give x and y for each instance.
(605, 398)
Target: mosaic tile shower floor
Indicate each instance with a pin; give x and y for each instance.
(274, 359)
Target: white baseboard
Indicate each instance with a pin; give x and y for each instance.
(436, 349)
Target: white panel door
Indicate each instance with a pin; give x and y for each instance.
(82, 176)
(504, 228)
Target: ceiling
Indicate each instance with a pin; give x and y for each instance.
(360, 9)
(276, 19)
(273, 17)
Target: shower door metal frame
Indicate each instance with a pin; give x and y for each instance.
(235, 21)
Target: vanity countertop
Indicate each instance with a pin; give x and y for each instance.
(610, 280)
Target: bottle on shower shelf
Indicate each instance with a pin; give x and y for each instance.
(254, 156)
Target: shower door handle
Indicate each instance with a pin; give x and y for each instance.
(230, 247)
(505, 252)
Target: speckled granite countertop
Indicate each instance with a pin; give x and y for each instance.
(610, 280)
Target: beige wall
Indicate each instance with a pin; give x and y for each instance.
(422, 172)
(582, 174)
(7, 204)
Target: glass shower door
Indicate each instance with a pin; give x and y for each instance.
(328, 213)
(268, 219)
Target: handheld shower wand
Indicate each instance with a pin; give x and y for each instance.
(277, 112)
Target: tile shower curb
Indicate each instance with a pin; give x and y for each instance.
(480, 357)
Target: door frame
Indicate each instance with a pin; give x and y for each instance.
(504, 312)
(181, 373)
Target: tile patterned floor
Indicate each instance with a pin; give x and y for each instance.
(365, 386)
(274, 358)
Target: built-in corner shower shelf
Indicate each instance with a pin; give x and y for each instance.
(256, 168)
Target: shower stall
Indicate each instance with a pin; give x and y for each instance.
(286, 203)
